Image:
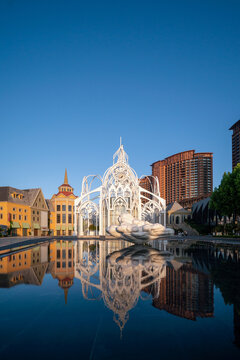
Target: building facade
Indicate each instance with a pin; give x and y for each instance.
(185, 177)
(39, 212)
(23, 212)
(235, 143)
(62, 210)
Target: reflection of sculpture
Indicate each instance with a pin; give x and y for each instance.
(118, 192)
(140, 230)
(122, 275)
(129, 271)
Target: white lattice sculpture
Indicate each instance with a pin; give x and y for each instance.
(119, 192)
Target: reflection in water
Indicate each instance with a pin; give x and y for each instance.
(179, 278)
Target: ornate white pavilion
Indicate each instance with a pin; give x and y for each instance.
(104, 199)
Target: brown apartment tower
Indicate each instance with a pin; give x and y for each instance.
(186, 177)
(235, 143)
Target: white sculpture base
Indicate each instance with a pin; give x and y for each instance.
(137, 230)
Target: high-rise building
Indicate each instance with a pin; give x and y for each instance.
(185, 177)
(235, 143)
(146, 183)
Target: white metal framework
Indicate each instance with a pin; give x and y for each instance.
(117, 192)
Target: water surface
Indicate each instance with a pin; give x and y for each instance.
(114, 300)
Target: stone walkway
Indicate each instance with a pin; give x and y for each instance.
(12, 242)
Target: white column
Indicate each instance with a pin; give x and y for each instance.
(75, 220)
(100, 215)
(81, 224)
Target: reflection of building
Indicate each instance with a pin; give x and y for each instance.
(186, 293)
(62, 214)
(235, 143)
(62, 255)
(118, 192)
(24, 267)
(25, 212)
(184, 177)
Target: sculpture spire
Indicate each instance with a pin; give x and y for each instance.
(65, 177)
(120, 155)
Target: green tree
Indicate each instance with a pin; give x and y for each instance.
(226, 198)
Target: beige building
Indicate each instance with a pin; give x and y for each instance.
(176, 214)
(62, 211)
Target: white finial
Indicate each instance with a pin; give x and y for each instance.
(120, 141)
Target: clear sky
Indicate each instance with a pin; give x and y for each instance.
(77, 75)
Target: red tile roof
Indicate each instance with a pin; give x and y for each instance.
(66, 193)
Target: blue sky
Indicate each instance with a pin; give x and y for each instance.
(77, 75)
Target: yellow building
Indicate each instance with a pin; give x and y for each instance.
(24, 266)
(62, 214)
(23, 212)
(15, 213)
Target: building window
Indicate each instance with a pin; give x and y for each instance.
(25, 218)
(1, 216)
(58, 219)
(69, 253)
(33, 211)
(69, 264)
(64, 254)
(69, 207)
(25, 210)
(58, 207)
(20, 210)
(38, 219)
(58, 265)
(14, 209)
(14, 217)
(33, 218)
(58, 254)
(20, 217)
(63, 207)
(37, 212)
(64, 265)
(69, 218)
(63, 218)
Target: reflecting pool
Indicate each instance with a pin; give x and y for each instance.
(115, 300)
